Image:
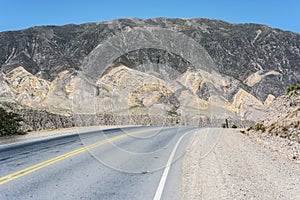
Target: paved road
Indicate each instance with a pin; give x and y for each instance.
(127, 163)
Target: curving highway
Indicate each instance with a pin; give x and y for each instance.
(122, 163)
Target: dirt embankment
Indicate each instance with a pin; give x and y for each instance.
(279, 129)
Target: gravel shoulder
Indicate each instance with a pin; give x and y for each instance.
(224, 164)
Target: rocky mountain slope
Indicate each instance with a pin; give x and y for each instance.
(187, 69)
(279, 129)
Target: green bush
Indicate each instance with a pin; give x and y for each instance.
(292, 88)
(172, 112)
(259, 127)
(10, 123)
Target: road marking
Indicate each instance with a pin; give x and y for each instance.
(51, 161)
(162, 183)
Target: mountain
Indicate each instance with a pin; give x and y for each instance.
(190, 70)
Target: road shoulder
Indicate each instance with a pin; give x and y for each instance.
(224, 164)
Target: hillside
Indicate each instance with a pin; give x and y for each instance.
(279, 129)
(190, 70)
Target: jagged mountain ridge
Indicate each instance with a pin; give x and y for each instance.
(238, 68)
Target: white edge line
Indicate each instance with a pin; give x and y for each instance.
(160, 188)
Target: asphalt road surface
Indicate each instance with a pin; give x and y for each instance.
(127, 163)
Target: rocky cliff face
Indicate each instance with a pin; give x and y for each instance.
(184, 68)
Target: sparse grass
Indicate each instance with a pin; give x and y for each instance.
(133, 107)
(258, 127)
(272, 127)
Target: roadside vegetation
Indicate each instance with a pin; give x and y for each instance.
(257, 127)
(10, 123)
(172, 112)
(291, 90)
(226, 124)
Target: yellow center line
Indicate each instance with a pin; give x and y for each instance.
(56, 159)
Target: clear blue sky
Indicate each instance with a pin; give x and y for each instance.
(19, 14)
